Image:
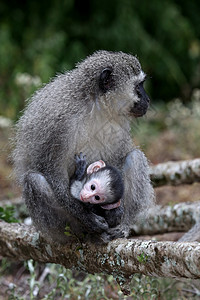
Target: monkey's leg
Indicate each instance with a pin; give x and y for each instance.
(40, 200)
(138, 192)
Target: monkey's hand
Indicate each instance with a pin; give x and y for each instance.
(80, 166)
(113, 233)
(96, 223)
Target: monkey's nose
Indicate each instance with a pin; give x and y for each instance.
(84, 197)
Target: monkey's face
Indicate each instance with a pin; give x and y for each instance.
(123, 86)
(141, 103)
(93, 191)
(97, 189)
(115, 82)
(130, 97)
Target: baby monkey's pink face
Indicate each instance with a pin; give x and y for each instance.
(94, 191)
(97, 189)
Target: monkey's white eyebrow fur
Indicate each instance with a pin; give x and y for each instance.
(141, 77)
(105, 179)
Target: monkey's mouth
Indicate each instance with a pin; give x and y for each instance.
(139, 109)
(137, 115)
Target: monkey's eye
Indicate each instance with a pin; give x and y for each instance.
(97, 197)
(92, 187)
(139, 88)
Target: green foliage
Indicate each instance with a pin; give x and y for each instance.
(33, 284)
(172, 131)
(184, 121)
(7, 214)
(142, 258)
(43, 40)
(68, 231)
(60, 283)
(144, 287)
(54, 282)
(5, 265)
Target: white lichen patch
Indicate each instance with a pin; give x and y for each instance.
(35, 239)
(81, 255)
(145, 244)
(48, 249)
(129, 245)
(119, 249)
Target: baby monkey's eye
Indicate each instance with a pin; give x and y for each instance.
(97, 197)
(92, 187)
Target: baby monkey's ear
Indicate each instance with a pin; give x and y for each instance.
(94, 167)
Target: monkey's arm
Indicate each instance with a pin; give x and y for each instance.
(76, 182)
(138, 192)
(80, 167)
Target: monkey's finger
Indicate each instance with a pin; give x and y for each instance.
(82, 156)
(101, 223)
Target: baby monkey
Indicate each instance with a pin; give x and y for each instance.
(100, 188)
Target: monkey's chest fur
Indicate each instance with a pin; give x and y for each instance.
(102, 137)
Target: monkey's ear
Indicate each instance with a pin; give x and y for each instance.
(106, 80)
(95, 166)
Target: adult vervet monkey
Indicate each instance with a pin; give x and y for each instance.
(87, 110)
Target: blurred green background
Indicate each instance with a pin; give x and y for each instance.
(39, 39)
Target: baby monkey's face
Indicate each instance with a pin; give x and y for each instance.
(94, 191)
(97, 188)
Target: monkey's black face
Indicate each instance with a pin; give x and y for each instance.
(140, 108)
(109, 81)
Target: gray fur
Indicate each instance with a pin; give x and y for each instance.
(76, 188)
(69, 115)
(193, 235)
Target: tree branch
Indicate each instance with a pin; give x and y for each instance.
(180, 217)
(176, 173)
(121, 257)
